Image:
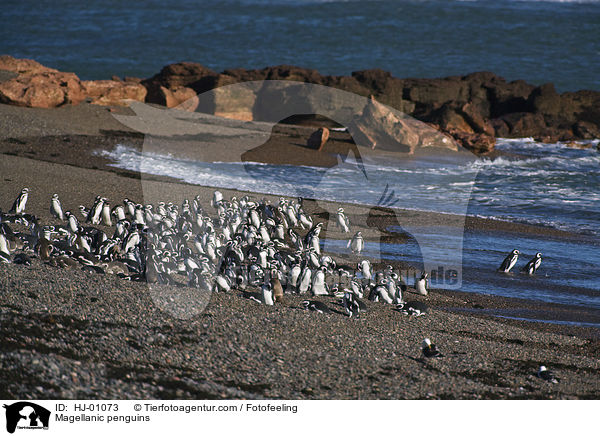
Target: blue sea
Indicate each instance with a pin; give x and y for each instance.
(539, 41)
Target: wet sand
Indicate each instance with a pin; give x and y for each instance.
(71, 334)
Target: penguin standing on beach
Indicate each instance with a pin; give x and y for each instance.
(533, 264)
(56, 208)
(509, 261)
(342, 221)
(357, 243)
(18, 206)
(422, 283)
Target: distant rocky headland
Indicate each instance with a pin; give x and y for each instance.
(472, 109)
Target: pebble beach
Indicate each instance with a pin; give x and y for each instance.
(67, 333)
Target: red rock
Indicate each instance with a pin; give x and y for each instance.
(21, 66)
(42, 89)
(111, 92)
(318, 138)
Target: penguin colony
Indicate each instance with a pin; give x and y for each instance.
(249, 245)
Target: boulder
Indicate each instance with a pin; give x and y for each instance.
(545, 100)
(381, 127)
(524, 124)
(112, 92)
(173, 78)
(45, 89)
(476, 120)
(318, 138)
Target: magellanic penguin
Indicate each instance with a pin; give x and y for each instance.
(342, 221)
(18, 206)
(316, 306)
(4, 251)
(351, 305)
(430, 350)
(357, 243)
(56, 208)
(545, 374)
(422, 284)
(509, 261)
(533, 264)
(319, 287)
(267, 294)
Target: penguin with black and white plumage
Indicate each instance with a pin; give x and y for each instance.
(357, 243)
(294, 278)
(422, 284)
(267, 294)
(412, 308)
(95, 211)
(305, 280)
(342, 220)
(319, 286)
(56, 208)
(315, 306)
(509, 262)
(546, 375)
(351, 304)
(533, 265)
(430, 350)
(4, 250)
(20, 202)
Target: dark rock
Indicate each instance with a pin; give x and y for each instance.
(524, 124)
(545, 100)
(586, 130)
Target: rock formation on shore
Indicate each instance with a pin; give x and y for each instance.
(471, 109)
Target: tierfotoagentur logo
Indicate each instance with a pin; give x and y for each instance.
(221, 138)
(25, 415)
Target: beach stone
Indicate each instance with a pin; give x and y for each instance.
(318, 138)
(112, 92)
(173, 77)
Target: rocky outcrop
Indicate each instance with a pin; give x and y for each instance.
(35, 85)
(473, 109)
(38, 86)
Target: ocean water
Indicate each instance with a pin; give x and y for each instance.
(539, 41)
(551, 185)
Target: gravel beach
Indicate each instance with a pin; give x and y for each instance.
(67, 333)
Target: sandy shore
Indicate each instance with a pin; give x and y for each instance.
(71, 334)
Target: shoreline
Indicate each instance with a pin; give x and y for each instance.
(96, 336)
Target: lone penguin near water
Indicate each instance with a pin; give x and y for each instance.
(533, 264)
(342, 220)
(509, 261)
